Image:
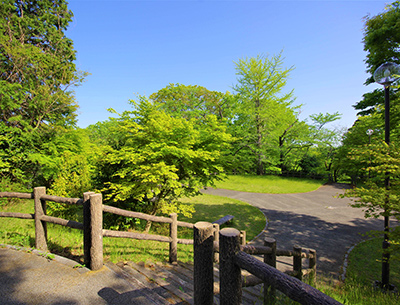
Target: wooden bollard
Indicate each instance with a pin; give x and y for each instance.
(173, 245)
(230, 273)
(96, 226)
(40, 226)
(312, 264)
(297, 264)
(87, 239)
(270, 259)
(216, 240)
(203, 243)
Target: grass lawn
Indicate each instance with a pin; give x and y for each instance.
(269, 184)
(210, 208)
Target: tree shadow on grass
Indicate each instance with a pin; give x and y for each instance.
(246, 217)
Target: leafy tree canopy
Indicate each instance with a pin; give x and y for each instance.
(382, 38)
(193, 101)
(36, 73)
(264, 110)
(158, 158)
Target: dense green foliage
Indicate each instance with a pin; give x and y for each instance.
(373, 164)
(152, 158)
(382, 38)
(194, 102)
(264, 111)
(37, 70)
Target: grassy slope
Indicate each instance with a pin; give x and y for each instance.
(269, 184)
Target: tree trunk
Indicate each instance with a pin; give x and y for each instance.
(148, 226)
(260, 166)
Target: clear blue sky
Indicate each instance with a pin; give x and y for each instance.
(138, 47)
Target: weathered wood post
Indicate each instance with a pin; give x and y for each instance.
(297, 264)
(40, 226)
(87, 239)
(203, 244)
(243, 237)
(270, 259)
(230, 273)
(312, 264)
(96, 226)
(216, 240)
(173, 245)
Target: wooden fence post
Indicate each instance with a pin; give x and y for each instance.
(312, 264)
(87, 239)
(40, 226)
(297, 264)
(96, 226)
(203, 244)
(216, 240)
(230, 273)
(173, 245)
(270, 259)
(243, 238)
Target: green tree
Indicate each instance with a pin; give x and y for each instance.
(382, 44)
(262, 106)
(382, 38)
(37, 72)
(379, 196)
(158, 159)
(380, 160)
(193, 102)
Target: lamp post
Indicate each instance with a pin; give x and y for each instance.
(385, 75)
(369, 134)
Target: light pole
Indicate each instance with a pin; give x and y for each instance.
(385, 75)
(369, 134)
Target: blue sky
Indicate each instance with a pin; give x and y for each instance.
(138, 47)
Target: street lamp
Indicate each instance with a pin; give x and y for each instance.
(385, 75)
(369, 134)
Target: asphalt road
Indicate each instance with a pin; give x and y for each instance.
(315, 220)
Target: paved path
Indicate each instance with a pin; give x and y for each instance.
(28, 278)
(315, 220)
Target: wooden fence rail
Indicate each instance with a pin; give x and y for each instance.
(92, 225)
(233, 259)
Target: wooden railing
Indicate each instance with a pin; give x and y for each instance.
(92, 225)
(233, 259)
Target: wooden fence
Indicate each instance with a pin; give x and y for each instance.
(92, 225)
(233, 258)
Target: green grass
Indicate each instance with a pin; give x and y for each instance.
(366, 263)
(363, 269)
(269, 184)
(210, 208)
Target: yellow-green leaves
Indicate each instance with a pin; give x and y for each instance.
(159, 158)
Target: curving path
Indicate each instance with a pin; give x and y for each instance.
(314, 220)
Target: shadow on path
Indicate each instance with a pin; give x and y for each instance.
(317, 220)
(330, 239)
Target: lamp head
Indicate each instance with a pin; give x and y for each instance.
(387, 73)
